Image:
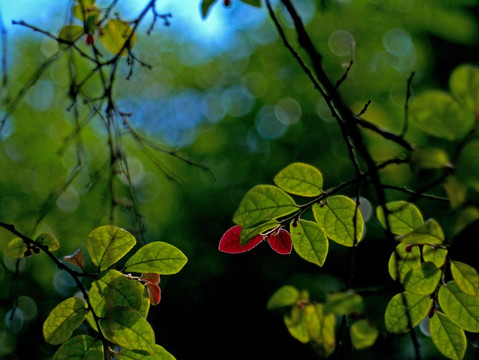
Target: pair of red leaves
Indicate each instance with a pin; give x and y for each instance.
(280, 241)
(154, 292)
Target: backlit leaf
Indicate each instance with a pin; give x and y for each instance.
(76, 259)
(423, 279)
(85, 9)
(16, 248)
(464, 84)
(230, 242)
(428, 233)
(296, 324)
(321, 328)
(127, 328)
(465, 277)
(429, 158)
(405, 310)
(434, 254)
(248, 234)
(461, 308)
(157, 257)
(448, 337)
(108, 244)
(159, 353)
(363, 334)
(468, 165)
(310, 242)
(466, 216)
(402, 261)
(456, 191)
(285, 296)
(70, 34)
(344, 303)
(154, 294)
(281, 242)
(63, 320)
(117, 37)
(81, 347)
(49, 241)
(336, 218)
(438, 114)
(403, 217)
(300, 179)
(263, 203)
(205, 7)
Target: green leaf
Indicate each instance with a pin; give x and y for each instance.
(456, 191)
(49, 241)
(468, 165)
(423, 278)
(344, 303)
(405, 310)
(428, 233)
(248, 234)
(81, 347)
(256, 3)
(85, 9)
(336, 218)
(296, 324)
(464, 84)
(466, 217)
(263, 203)
(157, 257)
(438, 114)
(403, 217)
(69, 33)
(117, 37)
(401, 261)
(429, 158)
(363, 334)
(16, 248)
(205, 7)
(300, 179)
(159, 353)
(434, 254)
(127, 328)
(465, 277)
(461, 308)
(108, 244)
(310, 242)
(115, 289)
(63, 320)
(321, 328)
(285, 296)
(449, 339)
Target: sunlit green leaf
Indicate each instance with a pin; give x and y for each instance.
(337, 218)
(363, 334)
(321, 328)
(63, 320)
(248, 234)
(300, 179)
(456, 191)
(468, 165)
(117, 37)
(438, 114)
(157, 257)
(466, 217)
(402, 261)
(423, 278)
(285, 296)
(448, 337)
(126, 327)
(16, 248)
(461, 308)
(465, 277)
(159, 353)
(296, 324)
(256, 3)
(428, 233)
(70, 33)
(205, 7)
(344, 303)
(310, 242)
(405, 310)
(429, 158)
(464, 84)
(81, 347)
(84, 9)
(263, 203)
(108, 244)
(49, 241)
(403, 217)
(434, 254)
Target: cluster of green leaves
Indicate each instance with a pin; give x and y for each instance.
(265, 207)
(117, 36)
(315, 322)
(419, 262)
(117, 304)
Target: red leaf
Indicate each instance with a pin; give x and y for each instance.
(230, 242)
(152, 278)
(76, 259)
(281, 243)
(154, 293)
